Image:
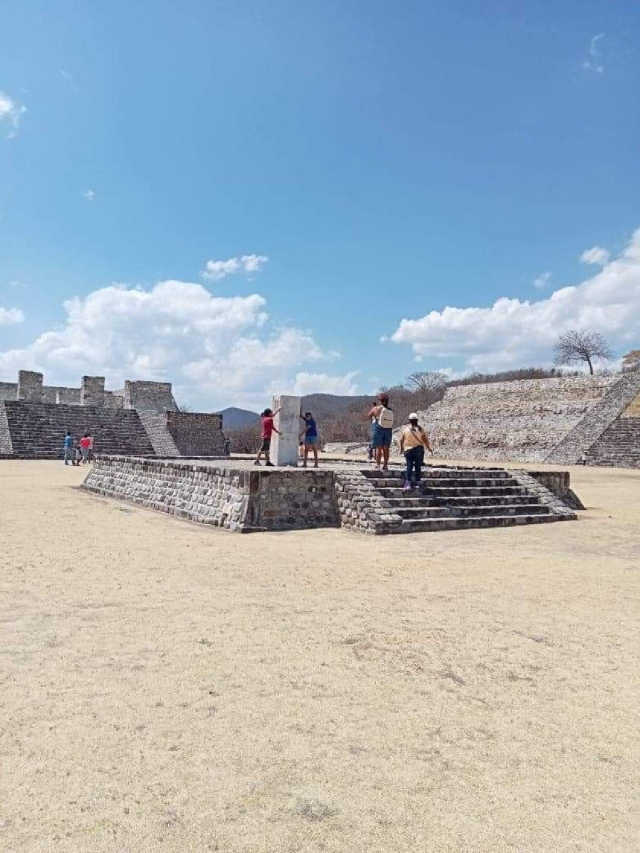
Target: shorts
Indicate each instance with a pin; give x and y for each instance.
(311, 439)
(265, 447)
(381, 436)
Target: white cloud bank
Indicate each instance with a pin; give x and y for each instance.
(512, 333)
(217, 351)
(216, 270)
(10, 316)
(11, 113)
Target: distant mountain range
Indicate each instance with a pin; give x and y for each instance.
(322, 406)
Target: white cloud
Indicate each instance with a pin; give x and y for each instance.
(217, 351)
(594, 63)
(512, 333)
(595, 255)
(10, 316)
(215, 270)
(323, 383)
(11, 112)
(89, 195)
(542, 280)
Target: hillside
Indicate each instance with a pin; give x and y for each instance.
(234, 418)
(332, 405)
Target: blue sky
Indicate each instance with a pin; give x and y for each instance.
(391, 161)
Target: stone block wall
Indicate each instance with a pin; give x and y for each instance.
(236, 499)
(196, 434)
(6, 445)
(92, 391)
(593, 426)
(283, 500)
(522, 420)
(149, 396)
(59, 395)
(8, 390)
(30, 386)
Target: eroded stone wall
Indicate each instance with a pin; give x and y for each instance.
(8, 390)
(196, 434)
(237, 499)
(149, 396)
(521, 420)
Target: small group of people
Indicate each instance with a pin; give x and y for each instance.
(78, 452)
(413, 441)
(308, 438)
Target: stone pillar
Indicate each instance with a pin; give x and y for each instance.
(92, 391)
(30, 386)
(284, 448)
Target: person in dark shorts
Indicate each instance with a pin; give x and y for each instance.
(311, 438)
(381, 416)
(268, 428)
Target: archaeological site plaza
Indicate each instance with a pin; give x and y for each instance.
(150, 453)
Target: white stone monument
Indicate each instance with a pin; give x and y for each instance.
(284, 447)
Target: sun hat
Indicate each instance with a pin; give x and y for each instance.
(413, 416)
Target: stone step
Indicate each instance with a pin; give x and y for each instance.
(423, 525)
(449, 482)
(468, 512)
(441, 473)
(415, 498)
(448, 493)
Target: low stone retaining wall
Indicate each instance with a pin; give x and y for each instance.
(239, 499)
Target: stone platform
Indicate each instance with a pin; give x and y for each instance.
(238, 496)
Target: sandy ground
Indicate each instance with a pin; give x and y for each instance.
(168, 687)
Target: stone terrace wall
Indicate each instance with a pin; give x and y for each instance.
(593, 426)
(149, 396)
(237, 499)
(8, 390)
(59, 395)
(521, 420)
(6, 445)
(196, 434)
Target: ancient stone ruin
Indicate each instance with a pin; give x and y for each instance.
(242, 498)
(142, 419)
(564, 420)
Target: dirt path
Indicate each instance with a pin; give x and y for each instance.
(168, 687)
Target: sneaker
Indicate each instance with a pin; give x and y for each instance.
(257, 463)
(269, 465)
(406, 487)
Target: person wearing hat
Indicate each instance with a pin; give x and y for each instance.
(413, 442)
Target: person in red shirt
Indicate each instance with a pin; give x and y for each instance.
(268, 428)
(85, 447)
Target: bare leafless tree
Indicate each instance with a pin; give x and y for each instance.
(581, 345)
(426, 380)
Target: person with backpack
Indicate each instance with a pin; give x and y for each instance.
(381, 431)
(413, 443)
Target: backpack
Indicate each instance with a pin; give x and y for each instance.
(385, 418)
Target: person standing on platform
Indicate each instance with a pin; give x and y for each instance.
(381, 416)
(413, 443)
(311, 438)
(268, 428)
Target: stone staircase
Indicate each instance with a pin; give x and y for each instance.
(37, 430)
(155, 425)
(619, 445)
(458, 498)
